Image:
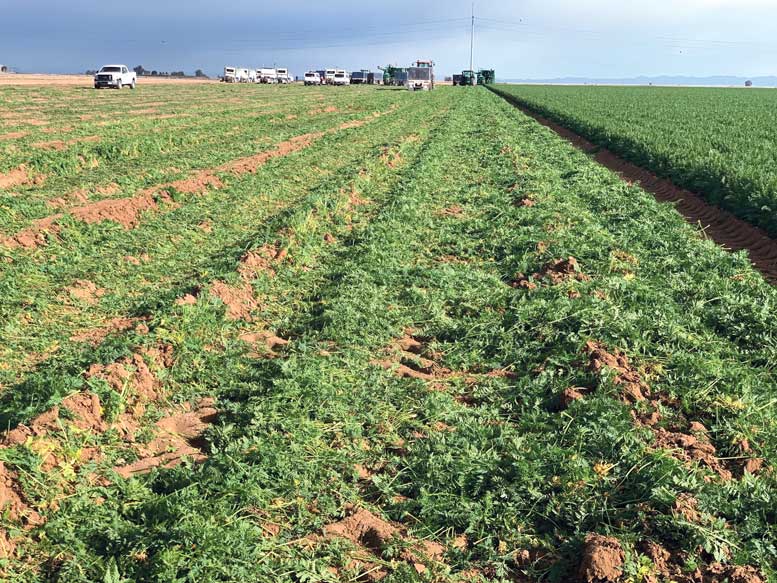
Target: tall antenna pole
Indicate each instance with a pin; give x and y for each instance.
(472, 41)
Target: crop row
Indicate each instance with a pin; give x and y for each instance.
(454, 355)
(714, 142)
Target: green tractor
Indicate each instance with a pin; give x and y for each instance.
(486, 77)
(395, 76)
(468, 78)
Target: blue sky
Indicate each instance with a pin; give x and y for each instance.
(520, 39)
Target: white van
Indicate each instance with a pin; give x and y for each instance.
(341, 78)
(283, 76)
(312, 78)
(329, 76)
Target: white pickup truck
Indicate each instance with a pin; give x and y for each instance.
(116, 76)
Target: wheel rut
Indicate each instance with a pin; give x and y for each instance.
(727, 230)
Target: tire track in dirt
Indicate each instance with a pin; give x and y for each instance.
(728, 231)
(127, 210)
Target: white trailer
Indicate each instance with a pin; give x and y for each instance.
(230, 75)
(283, 76)
(267, 75)
(329, 76)
(251, 76)
(241, 75)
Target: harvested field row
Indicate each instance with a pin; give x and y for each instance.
(419, 352)
(721, 226)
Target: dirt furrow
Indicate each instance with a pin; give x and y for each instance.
(127, 210)
(719, 225)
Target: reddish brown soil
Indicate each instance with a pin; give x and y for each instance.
(200, 183)
(95, 336)
(14, 507)
(373, 534)
(13, 135)
(263, 343)
(555, 272)
(668, 566)
(239, 300)
(79, 196)
(260, 260)
(187, 300)
(407, 358)
(125, 211)
(690, 448)
(328, 109)
(18, 177)
(178, 437)
(452, 211)
(86, 291)
(634, 389)
(719, 225)
(251, 164)
(602, 560)
(34, 235)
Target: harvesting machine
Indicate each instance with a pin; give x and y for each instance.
(420, 77)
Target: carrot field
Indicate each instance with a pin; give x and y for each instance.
(293, 334)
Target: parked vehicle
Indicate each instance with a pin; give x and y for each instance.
(241, 75)
(360, 77)
(421, 76)
(252, 75)
(268, 76)
(116, 76)
(312, 78)
(341, 78)
(329, 76)
(283, 76)
(230, 75)
(458, 80)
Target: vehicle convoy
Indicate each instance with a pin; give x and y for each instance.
(312, 78)
(341, 78)
(116, 76)
(420, 77)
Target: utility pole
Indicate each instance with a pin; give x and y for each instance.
(472, 41)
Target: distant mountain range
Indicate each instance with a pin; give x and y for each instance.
(719, 80)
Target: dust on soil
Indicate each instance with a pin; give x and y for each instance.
(602, 560)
